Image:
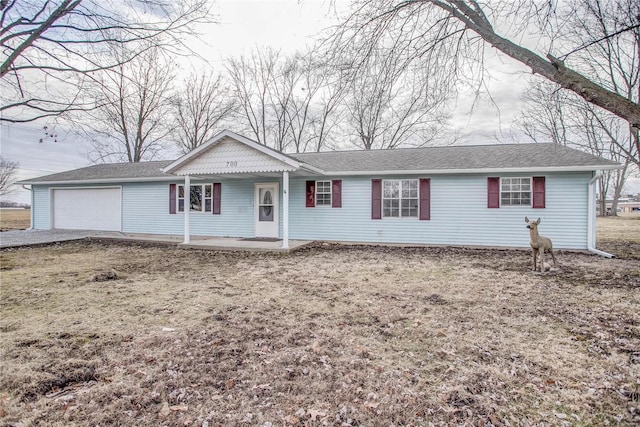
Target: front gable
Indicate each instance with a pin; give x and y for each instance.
(228, 153)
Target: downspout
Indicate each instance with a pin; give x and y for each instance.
(30, 190)
(591, 212)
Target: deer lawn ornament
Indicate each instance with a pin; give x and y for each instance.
(539, 244)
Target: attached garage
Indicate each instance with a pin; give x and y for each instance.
(96, 208)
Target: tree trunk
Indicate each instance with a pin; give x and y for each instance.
(553, 69)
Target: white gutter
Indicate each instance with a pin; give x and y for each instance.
(591, 223)
(98, 181)
(540, 170)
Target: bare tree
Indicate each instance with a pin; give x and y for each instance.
(445, 32)
(316, 92)
(391, 103)
(201, 108)
(558, 116)
(301, 78)
(607, 36)
(544, 118)
(282, 98)
(251, 78)
(132, 123)
(613, 61)
(328, 111)
(605, 135)
(7, 176)
(280, 95)
(52, 48)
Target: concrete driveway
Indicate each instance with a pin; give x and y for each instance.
(17, 238)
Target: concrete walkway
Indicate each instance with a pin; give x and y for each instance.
(20, 238)
(17, 238)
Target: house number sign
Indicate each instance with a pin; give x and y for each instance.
(232, 164)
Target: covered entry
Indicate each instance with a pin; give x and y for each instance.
(230, 156)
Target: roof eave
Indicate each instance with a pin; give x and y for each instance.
(98, 181)
(588, 168)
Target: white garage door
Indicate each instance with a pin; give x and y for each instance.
(87, 209)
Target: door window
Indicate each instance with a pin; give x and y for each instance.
(265, 211)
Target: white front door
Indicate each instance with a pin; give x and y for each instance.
(266, 210)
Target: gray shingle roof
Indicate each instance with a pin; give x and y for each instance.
(455, 158)
(108, 172)
(470, 158)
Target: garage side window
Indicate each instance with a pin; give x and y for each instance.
(515, 192)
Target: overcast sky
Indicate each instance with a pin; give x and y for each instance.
(283, 24)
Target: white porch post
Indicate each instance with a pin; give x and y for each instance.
(187, 208)
(285, 210)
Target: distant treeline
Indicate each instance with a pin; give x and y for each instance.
(4, 204)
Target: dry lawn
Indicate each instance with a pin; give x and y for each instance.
(619, 235)
(15, 219)
(330, 335)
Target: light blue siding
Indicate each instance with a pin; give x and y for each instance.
(41, 208)
(459, 213)
(146, 210)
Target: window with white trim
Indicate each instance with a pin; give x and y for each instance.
(400, 198)
(515, 191)
(200, 197)
(323, 193)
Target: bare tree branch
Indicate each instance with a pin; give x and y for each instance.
(201, 108)
(132, 124)
(71, 39)
(415, 24)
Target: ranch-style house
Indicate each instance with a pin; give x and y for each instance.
(232, 186)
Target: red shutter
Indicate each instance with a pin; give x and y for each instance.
(172, 198)
(538, 192)
(336, 193)
(425, 199)
(311, 194)
(493, 192)
(217, 193)
(376, 199)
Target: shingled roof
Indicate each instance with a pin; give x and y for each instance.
(109, 172)
(470, 158)
(449, 159)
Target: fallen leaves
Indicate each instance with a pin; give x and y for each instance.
(166, 410)
(315, 415)
(453, 337)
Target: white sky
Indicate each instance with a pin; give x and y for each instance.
(244, 24)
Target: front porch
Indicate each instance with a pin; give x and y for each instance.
(226, 158)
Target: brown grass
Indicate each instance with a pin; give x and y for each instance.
(619, 235)
(331, 335)
(15, 219)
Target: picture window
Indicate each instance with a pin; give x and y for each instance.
(400, 198)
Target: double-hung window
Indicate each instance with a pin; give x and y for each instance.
(400, 198)
(515, 191)
(200, 198)
(323, 193)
